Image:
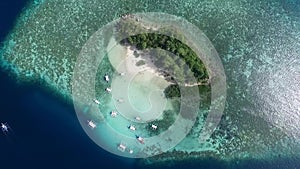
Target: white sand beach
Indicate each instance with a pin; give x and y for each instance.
(140, 87)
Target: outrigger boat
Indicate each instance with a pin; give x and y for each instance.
(91, 124)
(140, 139)
(120, 100)
(106, 78)
(108, 90)
(113, 114)
(137, 118)
(122, 147)
(4, 127)
(96, 101)
(154, 127)
(131, 127)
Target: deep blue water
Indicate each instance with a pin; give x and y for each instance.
(45, 131)
(9, 10)
(46, 134)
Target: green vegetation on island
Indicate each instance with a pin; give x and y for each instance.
(172, 91)
(175, 59)
(131, 32)
(185, 54)
(140, 63)
(167, 50)
(167, 120)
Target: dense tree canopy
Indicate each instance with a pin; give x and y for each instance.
(175, 58)
(172, 91)
(186, 54)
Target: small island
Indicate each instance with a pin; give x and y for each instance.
(165, 48)
(185, 54)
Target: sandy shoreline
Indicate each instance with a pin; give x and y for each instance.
(132, 61)
(139, 86)
(119, 54)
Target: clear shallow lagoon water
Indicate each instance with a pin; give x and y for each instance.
(251, 58)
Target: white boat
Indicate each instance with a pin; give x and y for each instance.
(140, 139)
(106, 78)
(130, 151)
(154, 127)
(96, 101)
(92, 124)
(122, 147)
(120, 100)
(108, 90)
(113, 114)
(137, 118)
(4, 127)
(131, 127)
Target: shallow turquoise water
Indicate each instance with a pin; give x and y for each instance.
(258, 42)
